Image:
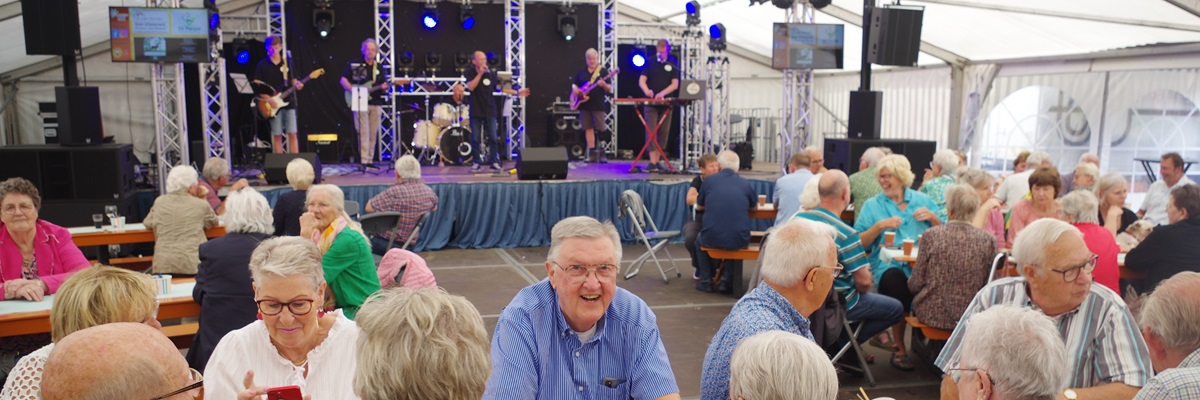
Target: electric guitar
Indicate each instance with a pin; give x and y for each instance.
(268, 105)
(374, 88)
(577, 99)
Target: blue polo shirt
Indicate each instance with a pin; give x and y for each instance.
(882, 207)
(787, 193)
(727, 199)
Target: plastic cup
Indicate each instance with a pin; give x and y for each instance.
(762, 200)
(908, 246)
(164, 283)
(119, 223)
(97, 220)
(889, 239)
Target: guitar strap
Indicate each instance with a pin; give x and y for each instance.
(595, 74)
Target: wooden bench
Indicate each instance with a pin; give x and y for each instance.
(181, 335)
(748, 253)
(926, 330)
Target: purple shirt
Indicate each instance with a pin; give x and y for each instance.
(213, 200)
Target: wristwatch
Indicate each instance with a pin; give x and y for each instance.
(1070, 394)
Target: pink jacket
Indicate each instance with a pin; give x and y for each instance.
(57, 256)
(417, 275)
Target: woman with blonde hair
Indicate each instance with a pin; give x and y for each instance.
(289, 206)
(91, 297)
(1112, 191)
(345, 252)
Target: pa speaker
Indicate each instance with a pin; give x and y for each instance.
(866, 114)
(275, 166)
(844, 154)
(51, 26)
(542, 163)
(895, 36)
(79, 122)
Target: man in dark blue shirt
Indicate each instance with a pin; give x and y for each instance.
(482, 82)
(726, 199)
(659, 80)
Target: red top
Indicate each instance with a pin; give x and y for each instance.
(1101, 243)
(57, 257)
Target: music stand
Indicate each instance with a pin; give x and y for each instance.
(243, 85)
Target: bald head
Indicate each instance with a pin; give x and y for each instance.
(834, 189)
(123, 360)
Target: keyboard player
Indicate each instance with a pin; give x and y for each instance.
(659, 80)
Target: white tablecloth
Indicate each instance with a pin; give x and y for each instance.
(20, 306)
(888, 255)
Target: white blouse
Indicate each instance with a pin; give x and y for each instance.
(330, 365)
(25, 380)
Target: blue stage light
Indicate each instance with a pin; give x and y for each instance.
(716, 31)
(429, 20)
(243, 56)
(468, 22)
(639, 60)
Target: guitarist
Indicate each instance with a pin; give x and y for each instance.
(275, 72)
(362, 72)
(592, 113)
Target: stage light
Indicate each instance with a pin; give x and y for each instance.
(404, 62)
(755, 2)
(639, 56)
(429, 18)
(716, 37)
(461, 62)
(433, 61)
(566, 22)
(693, 13)
(493, 61)
(241, 51)
(819, 4)
(465, 17)
(784, 4)
(323, 21)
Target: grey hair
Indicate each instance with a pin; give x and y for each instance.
(181, 177)
(947, 159)
(1020, 349)
(810, 197)
(363, 47)
(1081, 205)
(1091, 170)
(591, 52)
(962, 202)
(583, 227)
(408, 167)
(247, 211)
(420, 343)
(337, 199)
(872, 156)
(781, 365)
(215, 168)
(300, 174)
(1031, 243)
(795, 248)
(1108, 183)
(729, 160)
(975, 177)
(287, 256)
(1170, 312)
(1083, 158)
(1037, 158)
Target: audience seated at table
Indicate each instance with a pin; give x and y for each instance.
(294, 343)
(727, 200)
(223, 288)
(989, 216)
(1015, 187)
(409, 196)
(91, 297)
(1106, 355)
(781, 365)
(1112, 191)
(953, 262)
(1085, 178)
(864, 184)
(216, 176)
(290, 205)
(816, 159)
(799, 265)
(1154, 206)
(121, 360)
(1079, 209)
(907, 213)
(1010, 353)
(179, 218)
(789, 187)
(1044, 186)
(1069, 180)
(1170, 249)
(1170, 321)
(421, 344)
(942, 172)
(345, 254)
(708, 166)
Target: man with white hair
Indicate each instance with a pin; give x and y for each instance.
(798, 268)
(410, 197)
(1170, 320)
(1109, 359)
(816, 159)
(1068, 180)
(945, 162)
(863, 184)
(726, 199)
(593, 112)
(998, 369)
(781, 365)
(123, 360)
(214, 177)
(1015, 187)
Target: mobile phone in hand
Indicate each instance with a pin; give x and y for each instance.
(284, 393)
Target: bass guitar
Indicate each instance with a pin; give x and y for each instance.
(577, 99)
(268, 105)
(374, 88)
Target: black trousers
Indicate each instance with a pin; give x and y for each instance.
(894, 284)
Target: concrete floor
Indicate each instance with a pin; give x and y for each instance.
(687, 318)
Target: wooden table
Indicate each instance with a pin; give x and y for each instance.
(765, 211)
(85, 236)
(20, 317)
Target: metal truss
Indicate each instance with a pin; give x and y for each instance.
(514, 24)
(215, 115)
(387, 55)
(608, 58)
(170, 139)
(239, 25)
(693, 126)
(276, 19)
(797, 97)
(717, 99)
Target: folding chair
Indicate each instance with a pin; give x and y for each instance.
(352, 209)
(997, 264)
(631, 205)
(413, 235)
(853, 331)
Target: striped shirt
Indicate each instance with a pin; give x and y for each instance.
(850, 252)
(762, 309)
(1104, 344)
(536, 355)
(1179, 383)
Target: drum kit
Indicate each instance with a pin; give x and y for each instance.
(445, 135)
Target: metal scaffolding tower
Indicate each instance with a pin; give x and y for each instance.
(797, 96)
(608, 58)
(215, 116)
(693, 123)
(514, 23)
(387, 56)
(717, 99)
(166, 81)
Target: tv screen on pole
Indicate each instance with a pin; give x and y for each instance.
(807, 46)
(170, 35)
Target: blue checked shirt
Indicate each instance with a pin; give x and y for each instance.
(762, 309)
(1179, 383)
(536, 355)
(850, 252)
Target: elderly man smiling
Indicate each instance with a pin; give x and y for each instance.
(576, 335)
(1108, 358)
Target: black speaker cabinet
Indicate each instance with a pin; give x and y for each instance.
(79, 122)
(568, 131)
(542, 163)
(275, 166)
(51, 26)
(844, 154)
(100, 173)
(895, 36)
(866, 114)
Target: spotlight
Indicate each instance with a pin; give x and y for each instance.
(323, 21)
(716, 37)
(404, 62)
(639, 56)
(566, 22)
(493, 61)
(819, 4)
(241, 51)
(432, 62)
(461, 61)
(787, 4)
(429, 18)
(693, 13)
(465, 17)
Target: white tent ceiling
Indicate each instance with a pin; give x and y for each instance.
(959, 27)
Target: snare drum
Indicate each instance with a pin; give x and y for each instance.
(444, 114)
(456, 145)
(426, 134)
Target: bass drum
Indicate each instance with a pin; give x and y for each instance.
(425, 134)
(456, 145)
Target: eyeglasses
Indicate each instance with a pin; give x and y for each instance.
(1071, 273)
(957, 373)
(13, 208)
(197, 381)
(581, 271)
(296, 307)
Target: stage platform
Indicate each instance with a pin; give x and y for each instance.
(616, 170)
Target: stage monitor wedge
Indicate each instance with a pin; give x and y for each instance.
(275, 166)
(895, 36)
(542, 163)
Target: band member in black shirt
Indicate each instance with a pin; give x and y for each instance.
(593, 112)
(659, 80)
(367, 72)
(483, 83)
(278, 74)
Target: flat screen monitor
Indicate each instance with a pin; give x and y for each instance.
(170, 35)
(807, 46)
